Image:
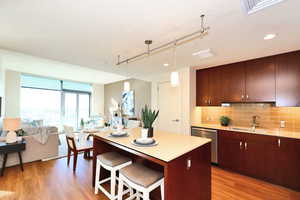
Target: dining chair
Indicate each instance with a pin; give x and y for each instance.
(77, 146)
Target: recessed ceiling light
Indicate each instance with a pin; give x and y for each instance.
(269, 36)
(166, 64)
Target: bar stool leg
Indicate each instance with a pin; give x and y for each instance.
(97, 177)
(130, 191)
(113, 184)
(162, 190)
(146, 196)
(120, 189)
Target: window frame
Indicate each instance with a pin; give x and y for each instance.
(62, 99)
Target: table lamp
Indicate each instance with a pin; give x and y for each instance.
(11, 125)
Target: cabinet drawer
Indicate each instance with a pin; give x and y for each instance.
(230, 134)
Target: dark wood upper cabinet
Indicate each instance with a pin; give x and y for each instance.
(260, 80)
(209, 87)
(274, 79)
(215, 86)
(288, 79)
(233, 82)
(202, 87)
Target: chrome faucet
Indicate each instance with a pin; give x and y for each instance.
(254, 122)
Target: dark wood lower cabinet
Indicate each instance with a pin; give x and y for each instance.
(288, 165)
(253, 161)
(274, 159)
(229, 150)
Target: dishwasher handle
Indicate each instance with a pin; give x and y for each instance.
(205, 130)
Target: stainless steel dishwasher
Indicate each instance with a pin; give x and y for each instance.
(211, 134)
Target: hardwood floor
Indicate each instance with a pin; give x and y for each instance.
(54, 180)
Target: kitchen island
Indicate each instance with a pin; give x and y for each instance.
(184, 160)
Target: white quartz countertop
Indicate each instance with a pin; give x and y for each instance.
(170, 145)
(271, 132)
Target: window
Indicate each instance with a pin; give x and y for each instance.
(42, 104)
(56, 102)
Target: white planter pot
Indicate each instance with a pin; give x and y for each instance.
(144, 133)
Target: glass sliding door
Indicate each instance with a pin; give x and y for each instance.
(83, 107)
(76, 106)
(70, 109)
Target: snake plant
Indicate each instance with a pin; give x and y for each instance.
(148, 116)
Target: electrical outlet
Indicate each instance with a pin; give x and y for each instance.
(282, 124)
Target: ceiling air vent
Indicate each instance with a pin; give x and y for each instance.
(252, 6)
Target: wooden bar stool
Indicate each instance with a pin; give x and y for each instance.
(142, 179)
(112, 162)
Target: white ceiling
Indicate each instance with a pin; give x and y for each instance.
(91, 33)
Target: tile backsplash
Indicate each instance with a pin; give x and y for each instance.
(241, 115)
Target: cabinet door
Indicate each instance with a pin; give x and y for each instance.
(288, 79)
(289, 163)
(254, 155)
(215, 86)
(202, 87)
(272, 164)
(260, 80)
(229, 150)
(233, 81)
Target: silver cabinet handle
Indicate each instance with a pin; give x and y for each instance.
(241, 144)
(279, 143)
(175, 120)
(247, 96)
(188, 163)
(246, 145)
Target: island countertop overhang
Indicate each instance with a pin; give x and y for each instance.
(170, 146)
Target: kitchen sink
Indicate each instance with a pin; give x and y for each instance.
(242, 129)
(251, 130)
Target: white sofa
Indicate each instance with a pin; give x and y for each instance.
(35, 150)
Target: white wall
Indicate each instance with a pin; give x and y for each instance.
(185, 96)
(2, 83)
(97, 101)
(142, 94)
(12, 94)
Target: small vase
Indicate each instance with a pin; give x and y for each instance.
(144, 133)
(150, 132)
(224, 124)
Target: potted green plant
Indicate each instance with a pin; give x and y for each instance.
(82, 123)
(148, 118)
(224, 120)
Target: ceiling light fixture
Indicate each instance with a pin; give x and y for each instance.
(126, 86)
(166, 64)
(174, 79)
(269, 36)
(200, 33)
(203, 53)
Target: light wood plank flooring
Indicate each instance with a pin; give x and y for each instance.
(54, 180)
